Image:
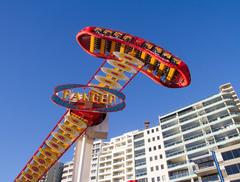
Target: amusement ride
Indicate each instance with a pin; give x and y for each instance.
(87, 105)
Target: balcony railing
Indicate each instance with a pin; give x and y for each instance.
(222, 127)
(227, 137)
(170, 134)
(196, 147)
(174, 153)
(179, 175)
(173, 143)
(191, 137)
(191, 127)
(176, 164)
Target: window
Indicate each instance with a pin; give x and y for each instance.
(158, 137)
(212, 177)
(160, 156)
(158, 179)
(152, 130)
(143, 180)
(154, 148)
(151, 158)
(139, 143)
(141, 172)
(155, 157)
(149, 140)
(231, 154)
(153, 139)
(148, 132)
(238, 180)
(159, 146)
(139, 152)
(151, 168)
(153, 179)
(150, 149)
(140, 162)
(162, 166)
(157, 129)
(139, 135)
(233, 169)
(157, 168)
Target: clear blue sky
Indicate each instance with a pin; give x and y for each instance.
(38, 51)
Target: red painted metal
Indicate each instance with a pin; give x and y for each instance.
(184, 75)
(94, 118)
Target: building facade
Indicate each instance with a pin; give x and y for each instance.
(229, 162)
(192, 133)
(67, 173)
(192, 144)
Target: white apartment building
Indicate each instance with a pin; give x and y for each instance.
(136, 155)
(116, 162)
(179, 149)
(97, 146)
(67, 172)
(192, 133)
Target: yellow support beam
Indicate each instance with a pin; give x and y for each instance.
(92, 41)
(113, 45)
(122, 48)
(143, 55)
(152, 62)
(162, 66)
(170, 74)
(102, 46)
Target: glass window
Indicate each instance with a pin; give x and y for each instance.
(160, 156)
(236, 153)
(151, 168)
(139, 152)
(139, 135)
(158, 137)
(233, 169)
(150, 149)
(157, 168)
(141, 172)
(159, 146)
(238, 180)
(162, 166)
(231, 154)
(140, 162)
(154, 148)
(153, 179)
(139, 143)
(212, 177)
(155, 157)
(151, 158)
(149, 140)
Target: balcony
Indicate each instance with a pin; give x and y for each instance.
(176, 164)
(207, 168)
(192, 137)
(170, 134)
(190, 127)
(174, 153)
(196, 147)
(227, 137)
(172, 143)
(179, 175)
